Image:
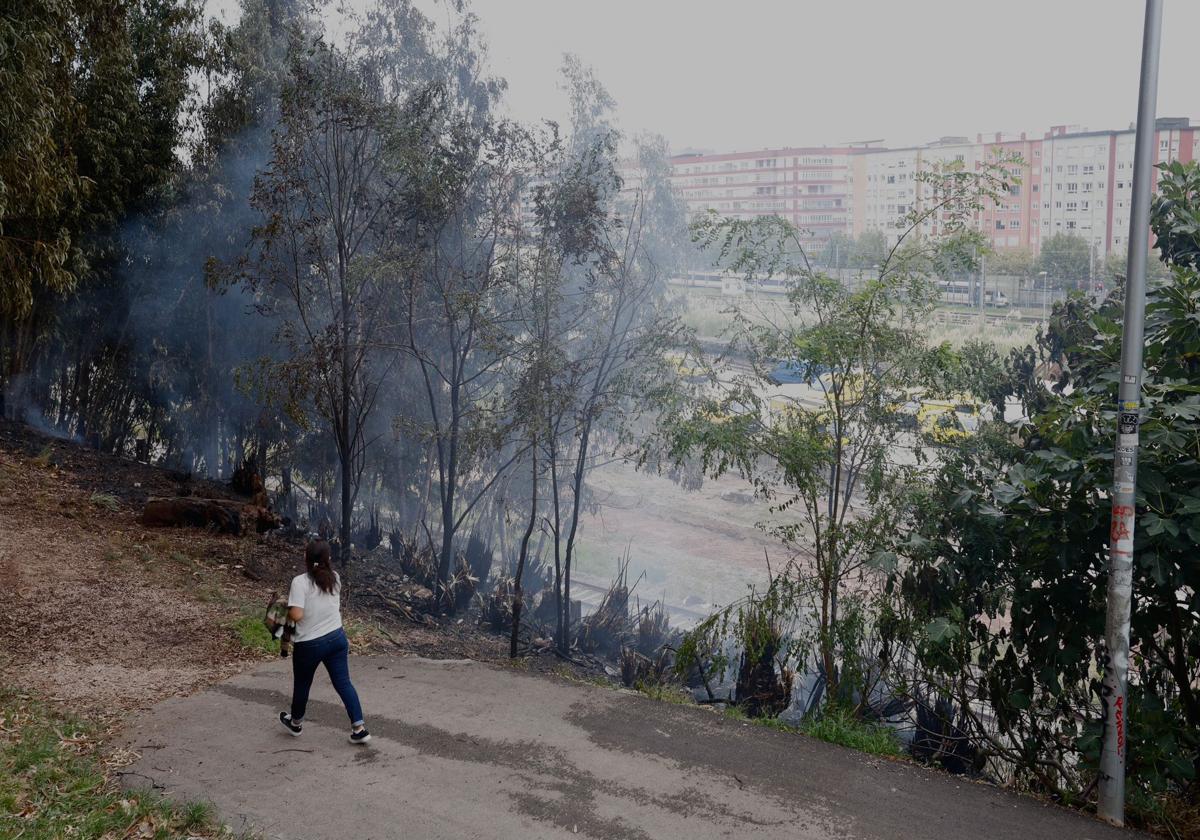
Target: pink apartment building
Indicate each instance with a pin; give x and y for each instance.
(1013, 221)
(810, 187)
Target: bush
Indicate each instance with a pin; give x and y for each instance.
(106, 501)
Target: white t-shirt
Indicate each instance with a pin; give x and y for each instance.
(322, 610)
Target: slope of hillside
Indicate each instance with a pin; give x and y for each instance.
(102, 613)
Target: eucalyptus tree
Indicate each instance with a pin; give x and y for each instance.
(598, 325)
(838, 464)
(458, 301)
(321, 257)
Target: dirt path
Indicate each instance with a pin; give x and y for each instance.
(466, 750)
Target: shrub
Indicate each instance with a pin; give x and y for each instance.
(106, 501)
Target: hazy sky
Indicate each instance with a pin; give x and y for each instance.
(756, 73)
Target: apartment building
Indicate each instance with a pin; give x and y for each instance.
(810, 187)
(1013, 221)
(887, 187)
(1071, 180)
(1088, 179)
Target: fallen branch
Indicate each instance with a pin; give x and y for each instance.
(403, 609)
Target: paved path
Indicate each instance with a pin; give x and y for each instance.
(464, 750)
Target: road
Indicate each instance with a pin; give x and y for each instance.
(466, 750)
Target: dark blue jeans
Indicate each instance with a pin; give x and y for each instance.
(333, 649)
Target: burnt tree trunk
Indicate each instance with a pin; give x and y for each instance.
(518, 592)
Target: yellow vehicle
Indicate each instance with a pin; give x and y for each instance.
(684, 366)
(946, 421)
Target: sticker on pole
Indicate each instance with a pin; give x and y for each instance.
(1127, 429)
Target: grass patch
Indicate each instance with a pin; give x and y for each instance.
(211, 593)
(105, 500)
(663, 692)
(252, 634)
(8, 477)
(1167, 814)
(44, 458)
(359, 634)
(839, 726)
(835, 725)
(52, 785)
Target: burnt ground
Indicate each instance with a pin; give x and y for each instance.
(106, 616)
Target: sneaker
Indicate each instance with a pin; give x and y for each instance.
(286, 720)
(360, 737)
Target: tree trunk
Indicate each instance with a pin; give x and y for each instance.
(577, 488)
(558, 592)
(449, 497)
(518, 592)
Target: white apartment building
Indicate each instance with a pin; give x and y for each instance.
(887, 189)
(1088, 178)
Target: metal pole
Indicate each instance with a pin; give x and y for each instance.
(982, 288)
(1044, 279)
(1111, 804)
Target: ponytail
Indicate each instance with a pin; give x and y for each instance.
(316, 558)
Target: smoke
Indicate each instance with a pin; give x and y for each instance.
(188, 328)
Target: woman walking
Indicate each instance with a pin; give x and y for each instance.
(314, 604)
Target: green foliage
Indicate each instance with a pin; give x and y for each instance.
(1116, 266)
(1017, 262)
(1066, 259)
(107, 501)
(975, 369)
(1005, 577)
(52, 786)
(253, 636)
(868, 250)
(811, 462)
(91, 99)
(40, 182)
(842, 726)
(1175, 215)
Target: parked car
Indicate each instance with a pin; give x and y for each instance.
(797, 372)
